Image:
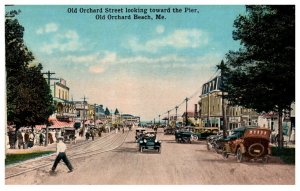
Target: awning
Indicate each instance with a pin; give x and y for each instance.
(40, 126)
(60, 124)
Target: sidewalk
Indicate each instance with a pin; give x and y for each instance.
(36, 148)
(50, 147)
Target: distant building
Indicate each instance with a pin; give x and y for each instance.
(211, 114)
(129, 119)
(65, 109)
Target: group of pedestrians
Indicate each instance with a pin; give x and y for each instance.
(27, 138)
(92, 133)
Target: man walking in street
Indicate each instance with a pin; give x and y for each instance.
(61, 154)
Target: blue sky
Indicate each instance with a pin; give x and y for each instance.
(142, 67)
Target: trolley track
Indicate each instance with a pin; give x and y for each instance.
(85, 149)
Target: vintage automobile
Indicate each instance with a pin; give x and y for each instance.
(248, 143)
(139, 133)
(204, 132)
(169, 131)
(185, 136)
(69, 134)
(149, 142)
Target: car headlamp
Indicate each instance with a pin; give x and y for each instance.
(141, 141)
(145, 141)
(155, 140)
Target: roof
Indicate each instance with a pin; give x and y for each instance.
(59, 124)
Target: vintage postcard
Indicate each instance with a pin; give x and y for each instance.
(131, 94)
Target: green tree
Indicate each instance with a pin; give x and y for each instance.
(117, 111)
(107, 111)
(261, 74)
(29, 99)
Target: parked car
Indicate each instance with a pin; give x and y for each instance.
(248, 143)
(149, 142)
(204, 132)
(185, 136)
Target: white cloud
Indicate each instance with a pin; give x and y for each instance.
(48, 28)
(63, 42)
(174, 61)
(179, 39)
(102, 64)
(160, 29)
(96, 63)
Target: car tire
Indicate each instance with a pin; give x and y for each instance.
(141, 149)
(158, 150)
(239, 155)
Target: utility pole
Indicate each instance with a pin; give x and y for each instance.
(84, 112)
(222, 67)
(168, 117)
(95, 115)
(48, 81)
(158, 119)
(176, 113)
(186, 115)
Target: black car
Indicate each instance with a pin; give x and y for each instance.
(149, 142)
(185, 136)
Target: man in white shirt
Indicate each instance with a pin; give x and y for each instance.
(60, 151)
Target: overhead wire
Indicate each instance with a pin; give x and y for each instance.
(216, 73)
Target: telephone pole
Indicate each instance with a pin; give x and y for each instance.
(176, 113)
(48, 81)
(222, 67)
(158, 119)
(168, 117)
(84, 112)
(186, 115)
(95, 115)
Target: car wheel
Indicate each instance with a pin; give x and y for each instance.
(239, 155)
(141, 149)
(158, 150)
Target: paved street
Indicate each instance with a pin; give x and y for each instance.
(177, 164)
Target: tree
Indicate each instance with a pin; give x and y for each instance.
(107, 112)
(29, 99)
(261, 74)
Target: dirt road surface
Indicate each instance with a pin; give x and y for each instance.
(177, 164)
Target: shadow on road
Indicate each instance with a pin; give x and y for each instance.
(249, 163)
(126, 149)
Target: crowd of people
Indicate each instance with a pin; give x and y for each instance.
(27, 137)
